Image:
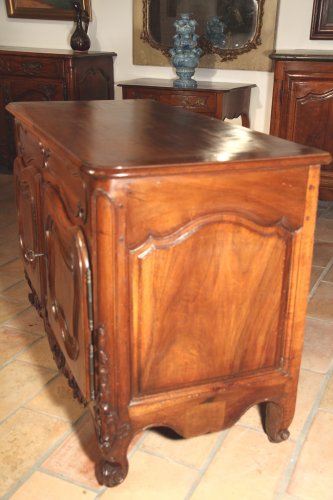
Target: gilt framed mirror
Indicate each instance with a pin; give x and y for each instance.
(236, 34)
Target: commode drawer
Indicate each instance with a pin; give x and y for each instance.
(202, 102)
(66, 176)
(31, 66)
(28, 147)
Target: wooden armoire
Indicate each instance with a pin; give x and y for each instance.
(302, 109)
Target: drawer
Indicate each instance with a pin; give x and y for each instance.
(201, 102)
(31, 66)
(55, 169)
(28, 147)
(65, 175)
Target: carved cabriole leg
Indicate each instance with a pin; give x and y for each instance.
(114, 432)
(277, 421)
(114, 438)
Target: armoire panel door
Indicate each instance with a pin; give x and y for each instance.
(28, 182)
(68, 280)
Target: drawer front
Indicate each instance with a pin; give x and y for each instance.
(200, 102)
(31, 66)
(55, 169)
(35, 89)
(28, 147)
(66, 176)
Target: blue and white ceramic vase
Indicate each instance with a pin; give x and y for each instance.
(185, 54)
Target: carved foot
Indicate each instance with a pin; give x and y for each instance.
(279, 436)
(277, 420)
(113, 473)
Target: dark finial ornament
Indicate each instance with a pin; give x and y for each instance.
(80, 39)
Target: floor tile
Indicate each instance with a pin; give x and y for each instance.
(39, 354)
(324, 230)
(13, 341)
(28, 320)
(321, 304)
(313, 478)
(318, 345)
(252, 419)
(13, 268)
(57, 399)
(17, 293)
(329, 275)
(308, 387)
(18, 383)
(12, 237)
(322, 253)
(9, 309)
(165, 480)
(6, 219)
(8, 281)
(327, 401)
(192, 452)
(328, 213)
(24, 439)
(8, 252)
(76, 457)
(315, 273)
(247, 466)
(43, 486)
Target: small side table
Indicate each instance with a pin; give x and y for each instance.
(217, 99)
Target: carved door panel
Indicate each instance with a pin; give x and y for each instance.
(310, 112)
(28, 182)
(208, 303)
(68, 282)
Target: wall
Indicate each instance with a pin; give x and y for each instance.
(111, 29)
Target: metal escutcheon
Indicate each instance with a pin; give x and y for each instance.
(30, 255)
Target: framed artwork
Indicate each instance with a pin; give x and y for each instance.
(322, 20)
(45, 9)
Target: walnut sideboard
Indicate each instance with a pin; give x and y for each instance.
(217, 99)
(48, 75)
(169, 256)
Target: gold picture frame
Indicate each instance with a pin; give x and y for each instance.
(45, 9)
(257, 59)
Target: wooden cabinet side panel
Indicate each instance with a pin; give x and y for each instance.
(205, 306)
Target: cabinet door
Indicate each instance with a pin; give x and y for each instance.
(28, 181)
(68, 283)
(310, 111)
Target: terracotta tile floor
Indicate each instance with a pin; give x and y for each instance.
(47, 444)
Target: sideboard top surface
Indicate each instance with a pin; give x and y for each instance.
(29, 51)
(121, 138)
(201, 85)
(303, 55)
